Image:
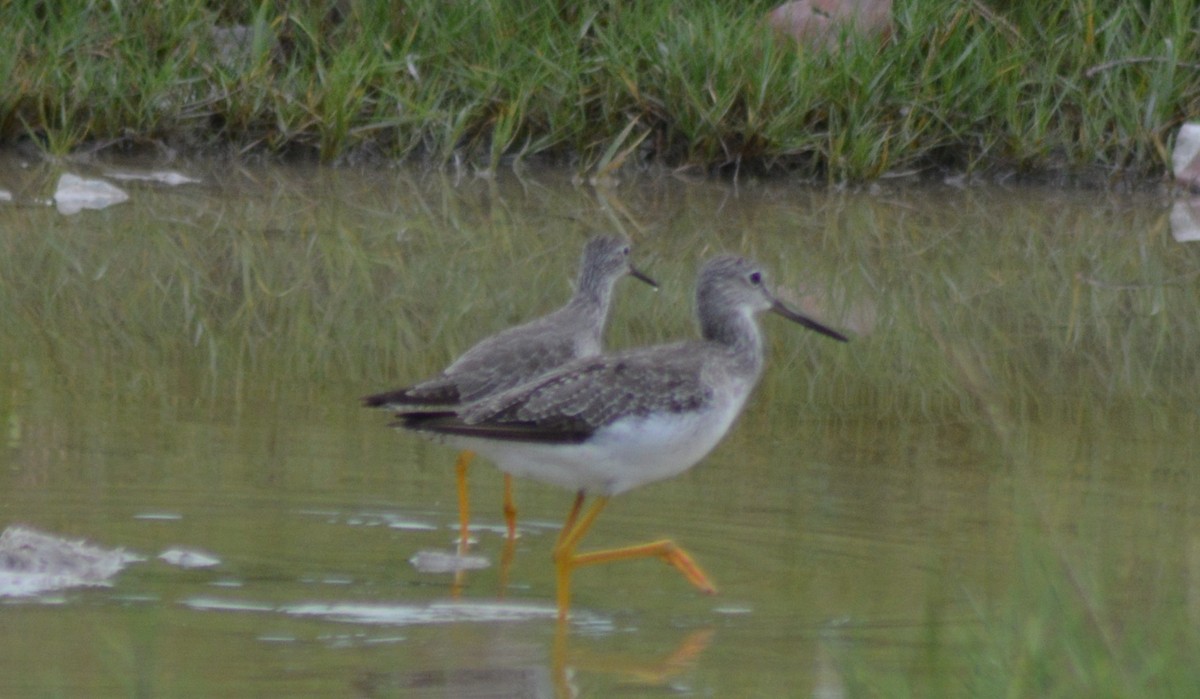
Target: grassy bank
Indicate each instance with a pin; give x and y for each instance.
(1062, 86)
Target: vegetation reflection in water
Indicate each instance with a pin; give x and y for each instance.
(990, 492)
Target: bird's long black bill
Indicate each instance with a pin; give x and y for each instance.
(807, 322)
(641, 276)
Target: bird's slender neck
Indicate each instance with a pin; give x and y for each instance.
(593, 292)
(736, 328)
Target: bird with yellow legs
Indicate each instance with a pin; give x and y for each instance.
(603, 425)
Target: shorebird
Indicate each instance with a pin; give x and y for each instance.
(603, 425)
(521, 353)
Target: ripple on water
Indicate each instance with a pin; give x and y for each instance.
(395, 614)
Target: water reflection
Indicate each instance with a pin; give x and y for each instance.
(495, 664)
(508, 669)
(1007, 454)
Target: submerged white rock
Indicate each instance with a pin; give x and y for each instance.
(74, 194)
(1185, 220)
(443, 562)
(33, 562)
(167, 177)
(1185, 159)
(188, 558)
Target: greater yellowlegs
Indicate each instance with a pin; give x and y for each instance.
(606, 424)
(519, 354)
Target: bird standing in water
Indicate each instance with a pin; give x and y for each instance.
(603, 425)
(521, 353)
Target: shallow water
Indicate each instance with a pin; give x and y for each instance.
(1015, 413)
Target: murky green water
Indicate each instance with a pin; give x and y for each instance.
(998, 471)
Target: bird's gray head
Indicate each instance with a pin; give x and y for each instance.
(731, 284)
(606, 259)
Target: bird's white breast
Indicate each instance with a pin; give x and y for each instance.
(630, 452)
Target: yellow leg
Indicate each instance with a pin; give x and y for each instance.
(564, 549)
(558, 661)
(570, 523)
(566, 560)
(460, 578)
(665, 549)
(574, 530)
(510, 508)
(464, 499)
(506, 559)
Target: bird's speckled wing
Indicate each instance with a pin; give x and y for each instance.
(512, 358)
(568, 405)
(435, 392)
(500, 362)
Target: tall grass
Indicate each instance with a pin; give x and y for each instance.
(357, 278)
(1068, 625)
(1067, 85)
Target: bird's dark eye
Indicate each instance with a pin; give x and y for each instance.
(755, 278)
(625, 251)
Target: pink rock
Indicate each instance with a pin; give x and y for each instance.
(821, 23)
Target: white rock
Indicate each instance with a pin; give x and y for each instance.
(167, 177)
(188, 558)
(1185, 220)
(1185, 160)
(32, 562)
(74, 194)
(442, 562)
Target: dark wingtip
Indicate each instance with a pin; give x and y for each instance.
(377, 400)
(415, 421)
(449, 423)
(409, 397)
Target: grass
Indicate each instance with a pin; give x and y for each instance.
(1055, 306)
(1065, 628)
(1064, 86)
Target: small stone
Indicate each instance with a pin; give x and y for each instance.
(821, 24)
(74, 194)
(1185, 220)
(188, 558)
(171, 178)
(442, 562)
(1185, 160)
